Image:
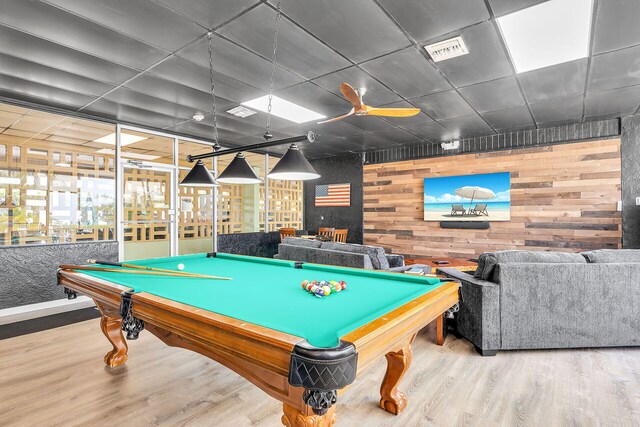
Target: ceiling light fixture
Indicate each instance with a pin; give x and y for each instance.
(293, 166)
(549, 33)
(125, 139)
(284, 109)
(198, 117)
(239, 172)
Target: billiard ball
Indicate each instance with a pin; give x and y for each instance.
(180, 267)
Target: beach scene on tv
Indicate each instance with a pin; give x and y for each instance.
(481, 197)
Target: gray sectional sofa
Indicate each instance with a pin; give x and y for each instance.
(533, 300)
(343, 254)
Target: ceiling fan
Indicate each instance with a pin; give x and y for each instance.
(360, 109)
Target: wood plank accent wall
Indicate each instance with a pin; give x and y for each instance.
(563, 197)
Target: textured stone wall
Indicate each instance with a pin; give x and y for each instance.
(254, 244)
(336, 170)
(29, 272)
(630, 182)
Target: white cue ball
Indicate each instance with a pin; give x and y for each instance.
(180, 267)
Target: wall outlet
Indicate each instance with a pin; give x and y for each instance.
(619, 206)
(637, 201)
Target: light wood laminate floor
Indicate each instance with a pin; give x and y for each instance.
(57, 378)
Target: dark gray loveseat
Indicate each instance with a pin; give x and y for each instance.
(343, 254)
(531, 300)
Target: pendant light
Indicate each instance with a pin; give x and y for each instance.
(200, 176)
(239, 172)
(292, 166)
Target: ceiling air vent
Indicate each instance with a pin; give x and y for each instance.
(241, 111)
(447, 49)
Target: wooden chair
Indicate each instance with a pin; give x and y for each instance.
(340, 235)
(458, 208)
(326, 232)
(480, 209)
(287, 232)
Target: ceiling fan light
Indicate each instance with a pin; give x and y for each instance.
(293, 166)
(199, 176)
(239, 172)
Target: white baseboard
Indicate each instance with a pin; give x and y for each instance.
(32, 311)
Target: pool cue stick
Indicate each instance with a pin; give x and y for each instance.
(141, 267)
(151, 273)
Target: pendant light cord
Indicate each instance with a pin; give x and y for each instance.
(267, 134)
(216, 144)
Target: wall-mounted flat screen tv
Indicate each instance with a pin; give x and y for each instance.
(481, 197)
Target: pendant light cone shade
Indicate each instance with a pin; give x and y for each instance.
(239, 172)
(199, 176)
(293, 167)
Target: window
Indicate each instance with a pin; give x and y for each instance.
(55, 187)
(285, 202)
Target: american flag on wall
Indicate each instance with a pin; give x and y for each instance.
(333, 195)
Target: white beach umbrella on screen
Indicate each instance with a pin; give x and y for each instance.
(475, 193)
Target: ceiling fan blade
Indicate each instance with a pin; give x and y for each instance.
(393, 112)
(351, 95)
(335, 119)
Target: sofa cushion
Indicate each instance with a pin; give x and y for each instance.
(491, 259)
(612, 256)
(375, 253)
(324, 256)
(297, 241)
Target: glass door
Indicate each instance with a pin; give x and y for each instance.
(148, 214)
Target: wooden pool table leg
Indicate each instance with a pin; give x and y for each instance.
(441, 329)
(294, 417)
(392, 400)
(110, 324)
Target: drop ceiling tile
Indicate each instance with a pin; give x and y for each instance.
(204, 132)
(615, 102)
(132, 98)
(424, 20)
(557, 81)
(444, 105)
(558, 110)
(232, 60)
(615, 69)
(494, 95)
(325, 131)
(420, 118)
(504, 7)
(397, 135)
(468, 126)
(234, 124)
(367, 141)
(47, 21)
(202, 12)
(29, 91)
(616, 25)
(376, 94)
(27, 70)
(408, 73)
(487, 59)
(140, 19)
(187, 73)
(177, 93)
(35, 49)
(509, 119)
(298, 51)
(358, 29)
(129, 114)
(316, 99)
(368, 123)
(432, 131)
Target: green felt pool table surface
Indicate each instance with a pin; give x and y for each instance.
(268, 292)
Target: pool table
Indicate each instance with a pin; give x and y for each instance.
(299, 349)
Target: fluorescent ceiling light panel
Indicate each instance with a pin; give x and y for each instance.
(284, 109)
(125, 139)
(549, 33)
(128, 155)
